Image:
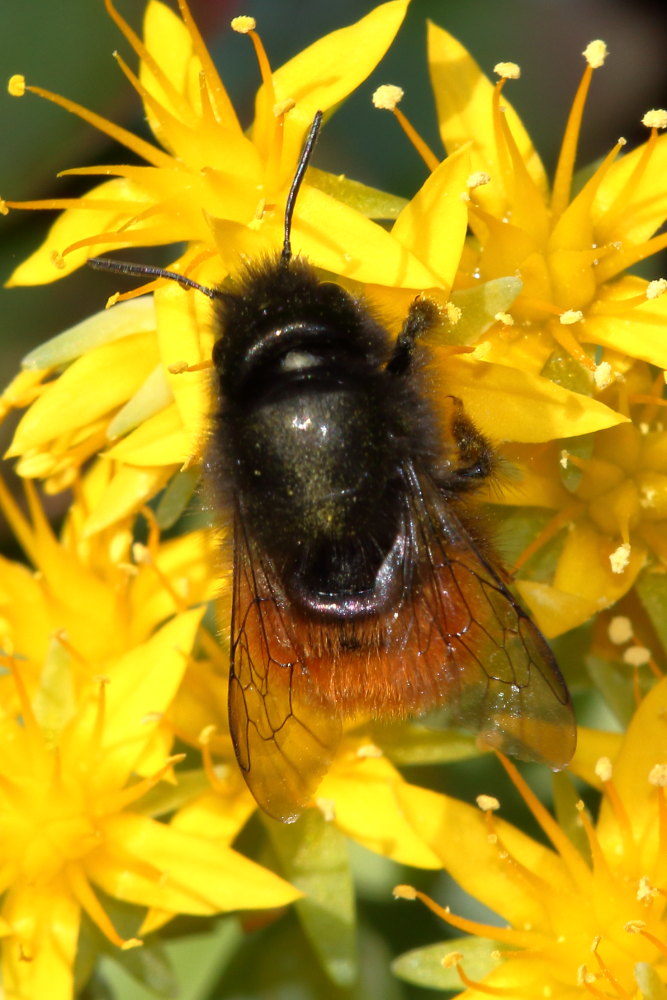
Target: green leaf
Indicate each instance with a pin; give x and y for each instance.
(369, 201)
(153, 396)
(565, 371)
(166, 798)
(313, 856)
(177, 496)
(195, 962)
(412, 743)
(125, 319)
(423, 966)
(649, 982)
(614, 682)
(652, 590)
(479, 306)
(148, 966)
(565, 798)
(276, 963)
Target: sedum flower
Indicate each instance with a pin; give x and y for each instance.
(607, 504)
(576, 319)
(569, 248)
(83, 743)
(135, 372)
(583, 916)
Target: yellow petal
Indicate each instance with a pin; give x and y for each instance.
(644, 746)
(216, 815)
(188, 563)
(339, 239)
(95, 384)
(638, 332)
(497, 398)
(463, 98)
(554, 611)
(118, 200)
(182, 318)
(325, 73)
(124, 320)
(366, 808)
(459, 836)
(182, 872)
(182, 59)
(39, 960)
(140, 687)
(433, 225)
(644, 204)
(591, 745)
(584, 567)
(162, 440)
(128, 489)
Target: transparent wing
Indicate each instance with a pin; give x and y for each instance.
(494, 671)
(284, 730)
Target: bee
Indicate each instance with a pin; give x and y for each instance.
(362, 584)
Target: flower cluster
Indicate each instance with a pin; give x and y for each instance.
(118, 781)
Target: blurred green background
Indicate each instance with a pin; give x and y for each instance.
(66, 47)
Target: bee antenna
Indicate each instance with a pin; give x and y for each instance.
(150, 271)
(302, 165)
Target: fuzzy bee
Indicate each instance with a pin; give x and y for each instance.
(361, 582)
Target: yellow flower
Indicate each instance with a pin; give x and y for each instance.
(580, 917)
(569, 249)
(134, 385)
(209, 184)
(607, 495)
(72, 816)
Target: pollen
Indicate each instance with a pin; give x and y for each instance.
(478, 179)
(507, 70)
(603, 374)
(637, 656)
(243, 24)
(656, 288)
(570, 316)
(646, 891)
(656, 118)
(387, 96)
(504, 318)
(487, 803)
(595, 53)
(620, 558)
(453, 313)
(604, 769)
(16, 85)
(620, 630)
(451, 959)
(658, 776)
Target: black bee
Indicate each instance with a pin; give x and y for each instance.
(361, 584)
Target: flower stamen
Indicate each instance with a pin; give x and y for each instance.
(549, 531)
(386, 98)
(142, 148)
(561, 842)
(507, 935)
(594, 54)
(83, 892)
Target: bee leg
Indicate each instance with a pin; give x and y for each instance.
(476, 457)
(423, 315)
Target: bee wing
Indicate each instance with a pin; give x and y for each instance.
(284, 731)
(495, 672)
